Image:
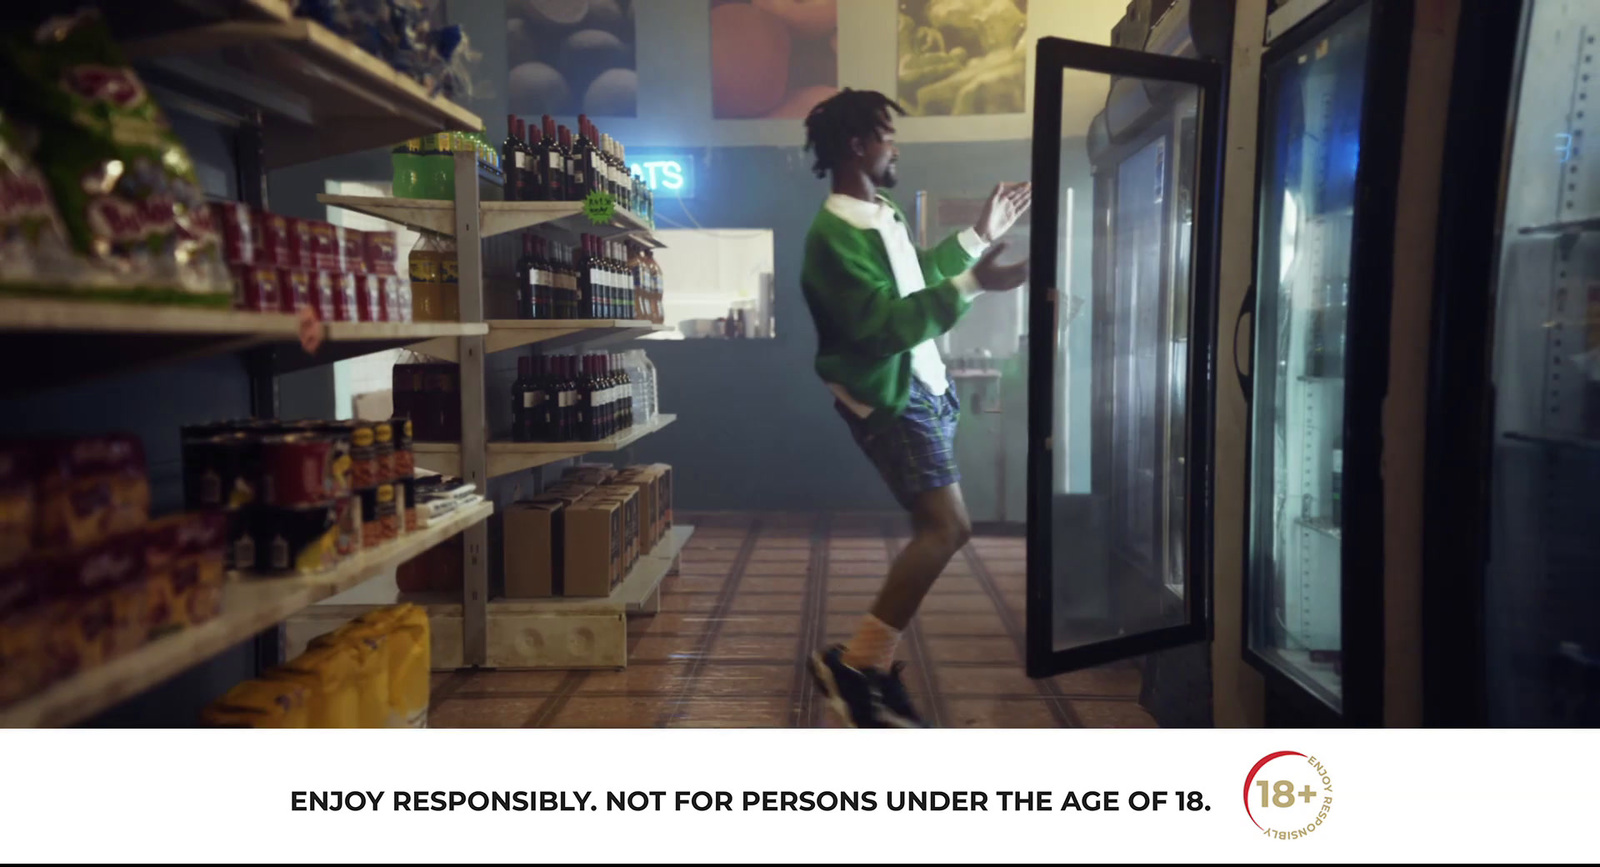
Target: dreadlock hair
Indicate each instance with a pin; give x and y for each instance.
(846, 115)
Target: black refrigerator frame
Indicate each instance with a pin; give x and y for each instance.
(1366, 367)
(1054, 56)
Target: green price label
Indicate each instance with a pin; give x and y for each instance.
(599, 207)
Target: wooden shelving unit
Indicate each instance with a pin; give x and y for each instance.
(290, 91)
(84, 339)
(250, 604)
(321, 95)
(562, 633)
(494, 218)
(547, 334)
(506, 458)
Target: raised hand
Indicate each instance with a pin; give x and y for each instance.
(1008, 202)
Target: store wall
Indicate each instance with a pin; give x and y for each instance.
(756, 428)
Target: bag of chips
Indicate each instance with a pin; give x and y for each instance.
(124, 186)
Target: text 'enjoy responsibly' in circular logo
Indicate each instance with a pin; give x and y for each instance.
(1288, 794)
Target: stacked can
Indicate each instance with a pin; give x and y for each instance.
(405, 466)
(285, 487)
(281, 264)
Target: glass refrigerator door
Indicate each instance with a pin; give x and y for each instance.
(1542, 590)
(1311, 112)
(1126, 146)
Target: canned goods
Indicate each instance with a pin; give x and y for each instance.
(241, 550)
(369, 295)
(297, 469)
(220, 470)
(363, 456)
(274, 239)
(380, 251)
(256, 288)
(347, 541)
(405, 464)
(325, 245)
(238, 233)
(344, 296)
(406, 500)
(383, 437)
(352, 249)
(378, 516)
(323, 288)
(302, 245)
(298, 540)
(342, 473)
(294, 289)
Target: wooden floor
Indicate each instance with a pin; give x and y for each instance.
(756, 594)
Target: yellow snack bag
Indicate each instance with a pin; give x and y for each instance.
(329, 676)
(371, 646)
(278, 704)
(410, 659)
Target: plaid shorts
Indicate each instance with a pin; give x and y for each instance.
(917, 451)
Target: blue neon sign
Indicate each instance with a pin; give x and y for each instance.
(669, 176)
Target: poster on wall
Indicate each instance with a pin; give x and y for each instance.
(962, 57)
(568, 57)
(772, 58)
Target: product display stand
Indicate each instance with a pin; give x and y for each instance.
(346, 98)
(562, 632)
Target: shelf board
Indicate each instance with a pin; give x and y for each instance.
(547, 334)
(1325, 526)
(562, 333)
(496, 218)
(83, 338)
(506, 458)
(250, 605)
(354, 339)
(548, 634)
(321, 94)
(1586, 444)
(630, 595)
(1562, 227)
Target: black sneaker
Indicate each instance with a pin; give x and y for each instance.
(895, 710)
(849, 691)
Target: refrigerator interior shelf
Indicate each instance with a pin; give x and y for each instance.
(1324, 526)
(1588, 444)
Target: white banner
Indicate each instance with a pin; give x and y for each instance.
(828, 795)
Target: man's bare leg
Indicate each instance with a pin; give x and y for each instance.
(940, 527)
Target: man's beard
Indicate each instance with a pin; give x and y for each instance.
(889, 178)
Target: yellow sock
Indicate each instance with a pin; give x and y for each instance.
(873, 645)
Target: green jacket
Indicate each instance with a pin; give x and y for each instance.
(865, 329)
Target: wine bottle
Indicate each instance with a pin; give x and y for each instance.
(521, 402)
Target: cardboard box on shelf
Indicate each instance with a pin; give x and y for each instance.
(592, 559)
(628, 498)
(644, 490)
(534, 547)
(655, 483)
(665, 495)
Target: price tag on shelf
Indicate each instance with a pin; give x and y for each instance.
(599, 207)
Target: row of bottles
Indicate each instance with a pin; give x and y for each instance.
(595, 280)
(425, 167)
(642, 374)
(556, 167)
(568, 398)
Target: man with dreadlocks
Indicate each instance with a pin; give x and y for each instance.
(878, 302)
